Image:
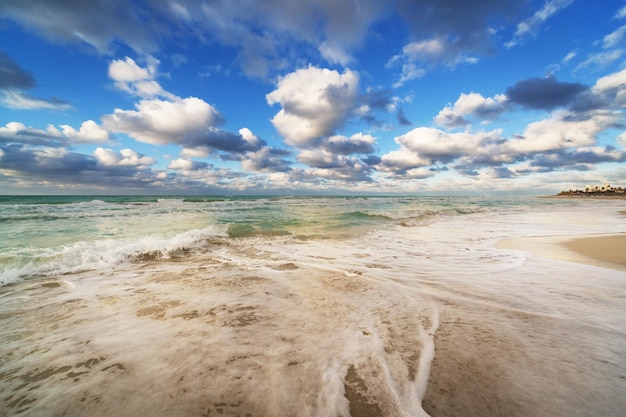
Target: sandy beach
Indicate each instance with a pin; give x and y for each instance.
(599, 250)
(608, 251)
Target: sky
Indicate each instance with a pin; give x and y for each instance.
(311, 96)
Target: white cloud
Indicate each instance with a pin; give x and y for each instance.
(621, 139)
(161, 122)
(334, 53)
(315, 102)
(13, 128)
(402, 160)
(357, 143)
(125, 158)
(436, 145)
(183, 164)
(89, 132)
(570, 55)
(15, 99)
(136, 80)
(471, 105)
(615, 38)
(249, 137)
(601, 59)
(531, 26)
(409, 72)
(429, 52)
(558, 132)
(127, 71)
(621, 13)
(612, 82)
(16, 132)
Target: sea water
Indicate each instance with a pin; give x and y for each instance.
(306, 306)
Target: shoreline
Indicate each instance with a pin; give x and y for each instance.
(605, 251)
(587, 196)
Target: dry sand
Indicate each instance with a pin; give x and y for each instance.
(603, 249)
(608, 251)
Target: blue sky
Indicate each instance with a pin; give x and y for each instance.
(311, 96)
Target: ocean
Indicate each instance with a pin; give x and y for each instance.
(306, 306)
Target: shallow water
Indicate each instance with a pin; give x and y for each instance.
(363, 307)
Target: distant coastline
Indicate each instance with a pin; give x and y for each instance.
(593, 191)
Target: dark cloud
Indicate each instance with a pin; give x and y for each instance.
(359, 143)
(577, 157)
(99, 23)
(402, 118)
(544, 93)
(261, 31)
(267, 160)
(14, 80)
(17, 133)
(371, 160)
(12, 76)
(221, 140)
(466, 23)
(376, 99)
(61, 167)
(46, 163)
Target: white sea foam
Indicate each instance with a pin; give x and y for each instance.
(97, 255)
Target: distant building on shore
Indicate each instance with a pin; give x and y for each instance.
(605, 189)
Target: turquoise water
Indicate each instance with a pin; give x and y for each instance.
(42, 235)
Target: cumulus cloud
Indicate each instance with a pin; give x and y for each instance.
(556, 142)
(327, 165)
(558, 132)
(612, 86)
(137, 80)
(126, 71)
(160, 122)
(162, 118)
(315, 102)
(123, 158)
(183, 164)
(16, 132)
(472, 105)
(89, 132)
(357, 143)
(266, 159)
